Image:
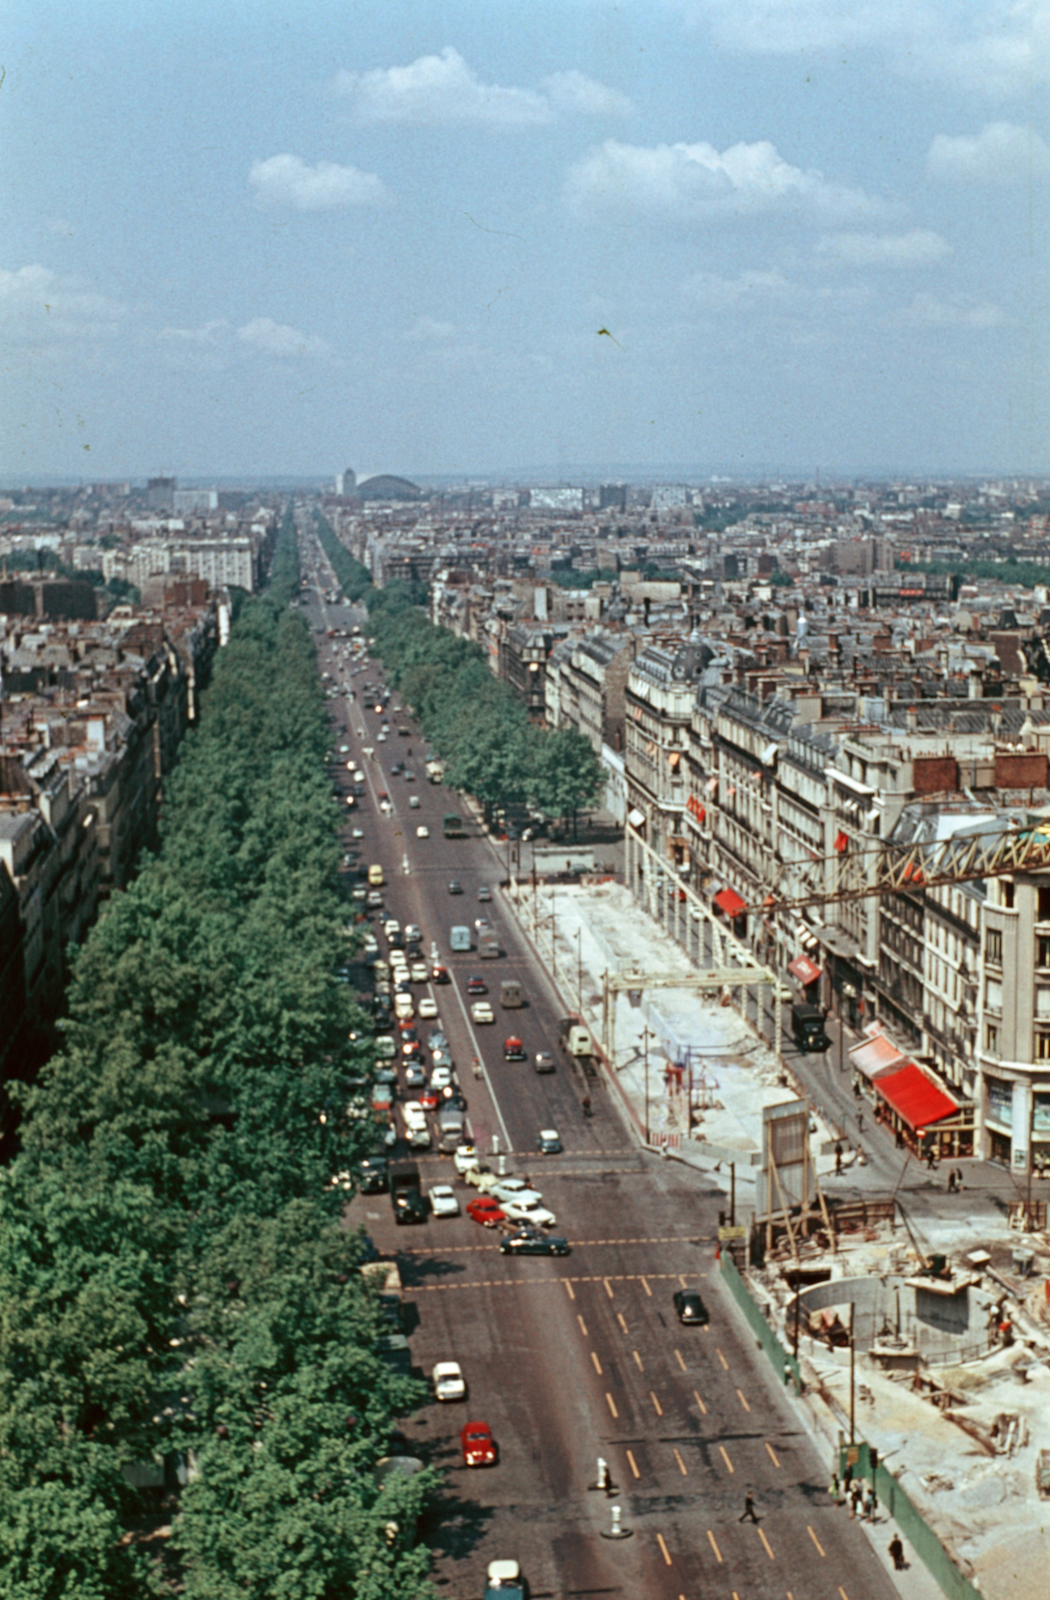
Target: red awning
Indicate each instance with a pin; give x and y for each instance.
(729, 901)
(915, 1098)
(805, 970)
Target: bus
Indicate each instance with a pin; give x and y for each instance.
(452, 825)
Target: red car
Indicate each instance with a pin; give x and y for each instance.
(486, 1211)
(514, 1050)
(440, 975)
(429, 1098)
(477, 986)
(478, 1445)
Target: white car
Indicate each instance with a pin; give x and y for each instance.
(403, 1007)
(481, 1011)
(528, 1210)
(357, 833)
(443, 1202)
(503, 1575)
(441, 1077)
(465, 1157)
(413, 933)
(392, 928)
(359, 776)
(413, 801)
(449, 1383)
(422, 832)
(414, 1115)
(513, 1188)
(427, 1009)
(419, 972)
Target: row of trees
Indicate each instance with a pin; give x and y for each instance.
(472, 721)
(175, 1284)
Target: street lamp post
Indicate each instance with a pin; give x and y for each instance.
(846, 992)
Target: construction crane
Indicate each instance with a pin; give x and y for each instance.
(849, 874)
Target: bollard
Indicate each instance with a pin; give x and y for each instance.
(502, 1166)
(495, 1144)
(617, 1531)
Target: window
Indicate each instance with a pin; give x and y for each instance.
(993, 946)
(1006, 893)
(1042, 1003)
(1043, 905)
(991, 1040)
(993, 994)
(1042, 951)
(1042, 1046)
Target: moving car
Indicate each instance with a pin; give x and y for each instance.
(478, 1445)
(486, 1211)
(372, 1174)
(548, 1143)
(415, 1077)
(464, 1158)
(525, 1209)
(455, 887)
(422, 832)
(544, 1061)
(443, 1202)
(484, 892)
(476, 985)
(504, 1188)
(504, 1581)
(527, 1243)
(481, 1011)
(441, 1077)
(449, 1383)
(513, 1049)
(439, 974)
(690, 1308)
(419, 972)
(427, 1009)
(413, 933)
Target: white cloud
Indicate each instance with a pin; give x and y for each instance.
(208, 334)
(428, 329)
(436, 89)
(712, 292)
(443, 89)
(955, 311)
(573, 91)
(38, 303)
(286, 180)
(1001, 153)
(271, 338)
(920, 247)
(990, 47)
(693, 181)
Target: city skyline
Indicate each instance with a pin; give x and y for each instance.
(767, 241)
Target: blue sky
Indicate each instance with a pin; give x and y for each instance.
(742, 235)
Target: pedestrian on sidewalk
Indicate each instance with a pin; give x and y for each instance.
(748, 1514)
(896, 1550)
(860, 1122)
(838, 1159)
(951, 1181)
(855, 1492)
(586, 1105)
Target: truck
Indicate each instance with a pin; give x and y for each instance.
(435, 771)
(510, 994)
(406, 1193)
(807, 1028)
(452, 825)
(488, 945)
(574, 1038)
(459, 937)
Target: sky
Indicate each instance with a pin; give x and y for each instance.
(755, 237)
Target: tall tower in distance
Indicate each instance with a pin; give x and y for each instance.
(346, 482)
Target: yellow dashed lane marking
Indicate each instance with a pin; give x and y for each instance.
(517, 1283)
(714, 1546)
(620, 1320)
(646, 1287)
(632, 1463)
(568, 1284)
(726, 1459)
(583, 1325)
(772, 1454)
(700, 1403)
(608, 1287)
(816, 1541)
(722, 1359)
(597, 1363)
(765, 1543)
(680, 1360)
(580, 1244)
(743, 1402)
(612, 1404)
(657, 1407)
(637, 1361)
(664, 1550)
(683, 1469)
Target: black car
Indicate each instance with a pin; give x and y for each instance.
(690, 1308)
(527, 1243)
(409, 1207)
(455, 887)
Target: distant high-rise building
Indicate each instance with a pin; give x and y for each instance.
(346, 482)
(160, 493)
(614, 495)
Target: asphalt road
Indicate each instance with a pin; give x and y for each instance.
(575, 1358)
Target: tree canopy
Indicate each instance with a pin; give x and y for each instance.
(176, 1286)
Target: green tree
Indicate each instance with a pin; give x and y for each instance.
(566, 774)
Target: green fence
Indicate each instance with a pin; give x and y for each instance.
(892, 1497)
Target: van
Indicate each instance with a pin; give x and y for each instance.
(404, 1006)
(451, 1129)
(386, 1046)
(488, 946)
(459, 939)
(510, 995)
(807, 1028)
(375, 876)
